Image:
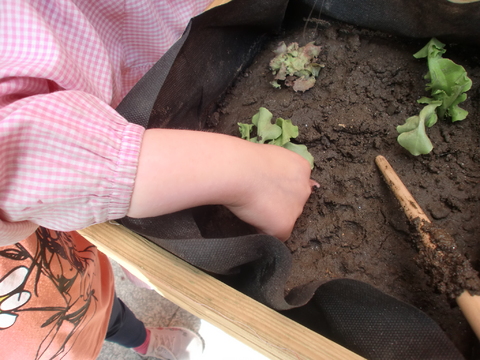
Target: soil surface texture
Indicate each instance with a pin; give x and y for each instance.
(353, 226)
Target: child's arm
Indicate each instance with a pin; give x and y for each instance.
(71, 161)
(264, 185)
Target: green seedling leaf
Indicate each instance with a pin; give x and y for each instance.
(302, 151)
(294, 64)
(448, 81)
(266, 131)
(434, 48)
(245, 130)
(275, 84)
(289, 131)
(278, 134)
(412, 134)
(314, 69)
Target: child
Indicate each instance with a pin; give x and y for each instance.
(69, 160)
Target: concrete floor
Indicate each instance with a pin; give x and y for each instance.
(154, 310)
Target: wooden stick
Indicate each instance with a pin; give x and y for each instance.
(215, 3)
(409, 204)
(463, 1)
(407, 201)
(469, 304)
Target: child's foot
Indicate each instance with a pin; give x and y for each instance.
(174, 343)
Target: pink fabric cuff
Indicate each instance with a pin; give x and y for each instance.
(68, 161)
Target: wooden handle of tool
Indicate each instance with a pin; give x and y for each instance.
(409, 205)
(407, 201)
(469, 304)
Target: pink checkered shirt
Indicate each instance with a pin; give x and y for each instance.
(67, 159)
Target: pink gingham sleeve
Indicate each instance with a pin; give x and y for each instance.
(67, 159)
(64, 174)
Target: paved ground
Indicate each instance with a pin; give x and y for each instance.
(153, 309)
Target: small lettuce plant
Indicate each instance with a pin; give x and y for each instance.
(279, 133)
(448, 83)
(296, 66)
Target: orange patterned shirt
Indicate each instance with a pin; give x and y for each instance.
(56, 296)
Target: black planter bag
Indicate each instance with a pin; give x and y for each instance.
(181, 91)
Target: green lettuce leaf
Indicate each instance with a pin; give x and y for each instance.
(447, 84)
(300, 150)
(245, 130)
(289, 131)
(448, 81)
(412, 134)
(265, 129)
(278, 134)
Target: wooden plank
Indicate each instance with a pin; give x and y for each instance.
(256, 325)
(217, 3)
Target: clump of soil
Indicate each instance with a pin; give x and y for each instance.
(450, 272)
(353, 227)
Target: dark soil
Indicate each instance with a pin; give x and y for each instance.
(353, 227)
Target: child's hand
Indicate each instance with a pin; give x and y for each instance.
(274, 188)
(264, 185)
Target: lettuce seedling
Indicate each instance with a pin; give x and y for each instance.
(448, 81)
(447, 86)
(295, 65)
(279, 133)
(412, 134)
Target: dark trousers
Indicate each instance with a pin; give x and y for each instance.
(124, 328)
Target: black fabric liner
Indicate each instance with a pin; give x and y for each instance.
(180, 91)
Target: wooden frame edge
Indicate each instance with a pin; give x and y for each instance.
(249, 321)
